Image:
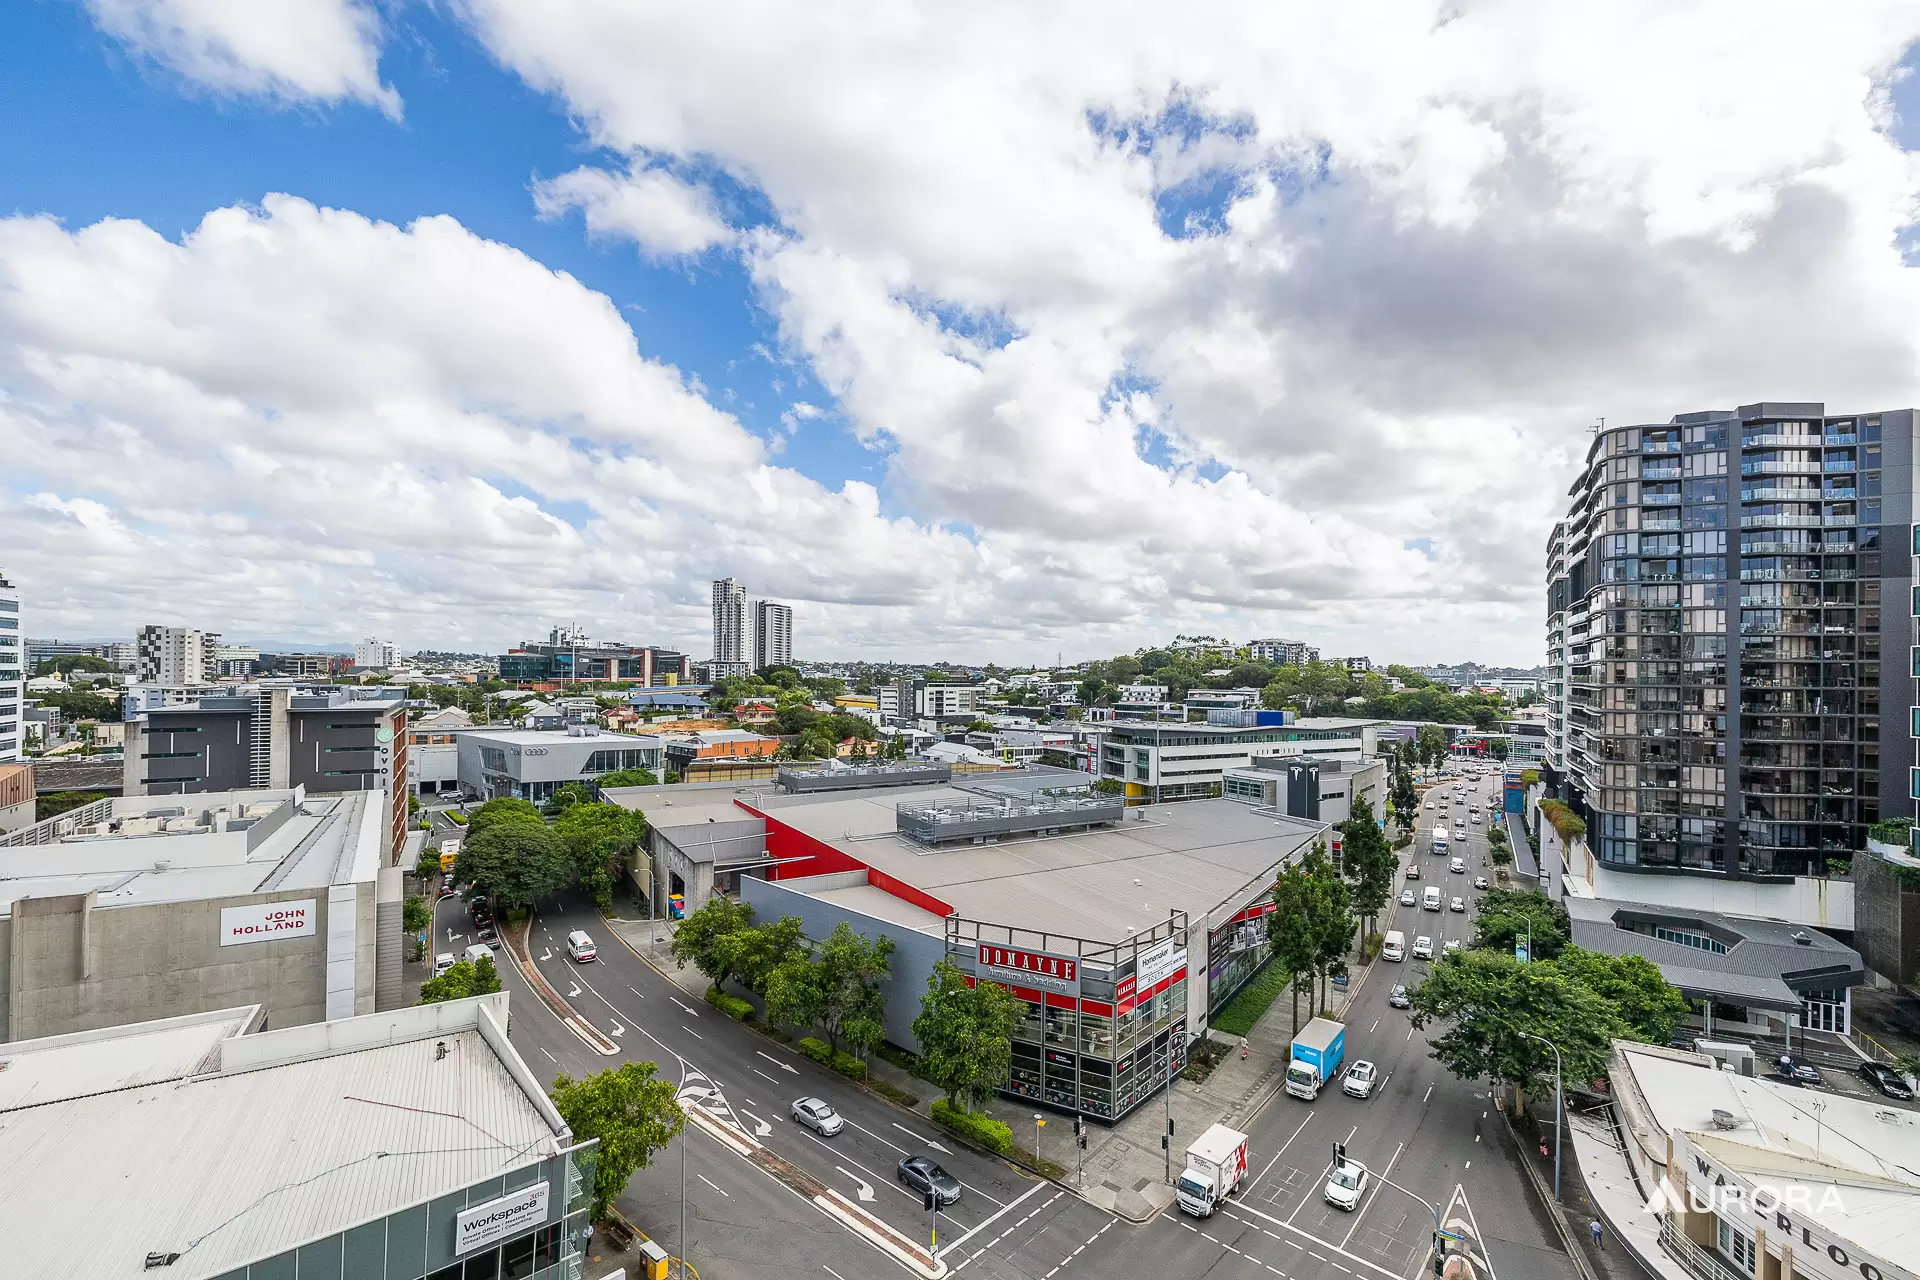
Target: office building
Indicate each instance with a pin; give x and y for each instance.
(13, 673)
(1705, 1167)
(1318, 788)
(235, 661)
(174, 656)
(139, 906)
(567, 654)
(433, 750)
(1173, 761)
(1283, 653)
(772, 634)
(1724, 615)
(376, 655)
(271, 735)
(1118, 939)
(731, 643)
(531, 764)
(388, 1146)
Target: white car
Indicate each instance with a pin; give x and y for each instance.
(818, 1116)
(1458, 904)
(1453, 945)
(1346, 1185)
(1423, 948)
(1458, 866)
(442, 963)
(1406, 898)
(1360, 1079)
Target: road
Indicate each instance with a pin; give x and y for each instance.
(1423, 1129)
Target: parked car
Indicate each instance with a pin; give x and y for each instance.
(1360, 1079)
(1398, 997)
(922, 1174)
(1793, 1068)
(1887, 1080)
(818, 1116)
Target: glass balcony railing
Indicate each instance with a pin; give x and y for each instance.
(1836, 440)
(1796, 467)
(1773, 440)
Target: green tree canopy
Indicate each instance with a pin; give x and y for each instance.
(516, 861)
(1290, 927)
(565, 797)
(837, 989)
(1507, 914)
(699, 939)
(465, 978)
(633, 1114)
(55, 803)
(415, 914)
(596, 836)
(965, 1034)
(1652, 1008)
(81, 704)
(504, 809)
(72, 662)
(752, 955)
(1487, 999)
(629, 778)
(1368, 861)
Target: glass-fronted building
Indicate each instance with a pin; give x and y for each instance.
(1724, 615)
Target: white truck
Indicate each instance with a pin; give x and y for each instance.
(1216, 1166)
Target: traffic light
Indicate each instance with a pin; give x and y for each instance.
(931, 1202)
(1339, 1153)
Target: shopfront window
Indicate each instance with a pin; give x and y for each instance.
(1096, 1033)
(1062, 1029)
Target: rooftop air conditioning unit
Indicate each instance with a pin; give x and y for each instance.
(1725, 1119)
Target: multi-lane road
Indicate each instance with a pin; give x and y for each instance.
(1424, 1129)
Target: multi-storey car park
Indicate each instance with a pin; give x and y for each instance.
(1725, 613)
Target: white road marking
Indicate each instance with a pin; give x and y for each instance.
(683, 1008)
(550, 1058)
(1038, 1186)
(830, 1271)
(1278, 1154)
(764, 1076)
(690, 1031)
(1372, 1195)
(1235, 1210)
(918, 1137)
(641, 994)
(1409, 1033)
(1469, 1165)
(704, 1178)
(789, 1069)
(1429, 1093)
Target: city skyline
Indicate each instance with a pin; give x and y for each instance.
(465, 332)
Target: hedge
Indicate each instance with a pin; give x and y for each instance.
(976, 1127)
(849, 1066)
(1566, 823)
(821, 1052)
(818, 1050)
(733, 1006)
(456, 817)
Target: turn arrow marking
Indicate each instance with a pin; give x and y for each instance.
(576, 991)
(866, 1191)
(928, 1141)
(760, 1127)
(776, 1062)
(546, 955)
(684, 1008)
(618, 1030)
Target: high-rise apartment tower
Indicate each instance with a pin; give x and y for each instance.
(730, 639)
(13, 672)
(772, 634)
(1729, 633)
(175, 656)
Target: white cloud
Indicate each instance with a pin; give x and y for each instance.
(292, 50)
(1451, 237)
(665, 216)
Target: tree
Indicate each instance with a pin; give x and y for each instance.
(1331, 916)
(595, 837)
(628, 778)
(1290, 929)
(72, 662)
(1431, 741)
(1508, 914)
(514, 860)
(698, 940)
(633, 1114)
(1651, 1007)
(465, 978)
(1108, 786)
(81, 704)
(965, 1034)
(753, 954)
(1487, 999)
(506, 808)
(564, 798)
(55, 803)
(852, 967)
(1368, 862)
(428, 865)
(415, 914)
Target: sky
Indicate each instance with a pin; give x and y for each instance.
(976, 333)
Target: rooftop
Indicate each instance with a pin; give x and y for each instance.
(142, 849)
(1765, 964)
(1097, 883)
(549, 737)
(1848, 1164)
(230, 1148)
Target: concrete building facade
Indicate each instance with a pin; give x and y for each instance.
(13, 672)
(132, 908)
(772, 634)
(175, 656)
(731, 641)
(531, 764)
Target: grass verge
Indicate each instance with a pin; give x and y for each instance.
(1251, 1002)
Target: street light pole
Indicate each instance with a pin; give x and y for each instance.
(1559, 1105)
(683, 1204)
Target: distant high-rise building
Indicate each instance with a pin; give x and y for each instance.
(772, 634)
(175, 656)
(730, 641)
(376, 655)
(12, 673)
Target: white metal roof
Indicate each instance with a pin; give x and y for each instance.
(293, 1136)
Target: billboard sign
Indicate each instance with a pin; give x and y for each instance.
(513, 1214)
(266, 921)
(1011, 966)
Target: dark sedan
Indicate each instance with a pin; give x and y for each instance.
(922, 1174)
(1887, 1080)
(1399, 998)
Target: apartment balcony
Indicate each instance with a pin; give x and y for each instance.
(1837, 575)
(1776, 547)
(1783, 493)
(1778, 467)
(1807, 521)
(1781, 575)
(1770, 440)
(1660, 526)
(1839, 466)
(1660, 446)
(1839, 495)
(1839, 522)
(1833, 441)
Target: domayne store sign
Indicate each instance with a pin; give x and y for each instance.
(1781, 1219)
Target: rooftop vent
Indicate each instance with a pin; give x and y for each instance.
(1725, 1119)
(1802, 937)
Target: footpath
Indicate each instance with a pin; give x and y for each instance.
(1123, 1171)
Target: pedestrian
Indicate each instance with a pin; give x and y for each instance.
(1593, 1229)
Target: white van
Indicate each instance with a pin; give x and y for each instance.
(580, 947)
(1430, 900)
(442, 963)
(480, 949)
(1394, 946)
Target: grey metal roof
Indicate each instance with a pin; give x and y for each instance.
(1766, 964)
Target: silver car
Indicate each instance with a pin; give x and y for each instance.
(816, 1115)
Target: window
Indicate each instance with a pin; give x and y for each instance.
(1736, 1248)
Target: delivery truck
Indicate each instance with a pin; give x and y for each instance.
(1317, 1053)
(1216, 1166)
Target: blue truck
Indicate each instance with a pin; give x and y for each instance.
(1318, 1051)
